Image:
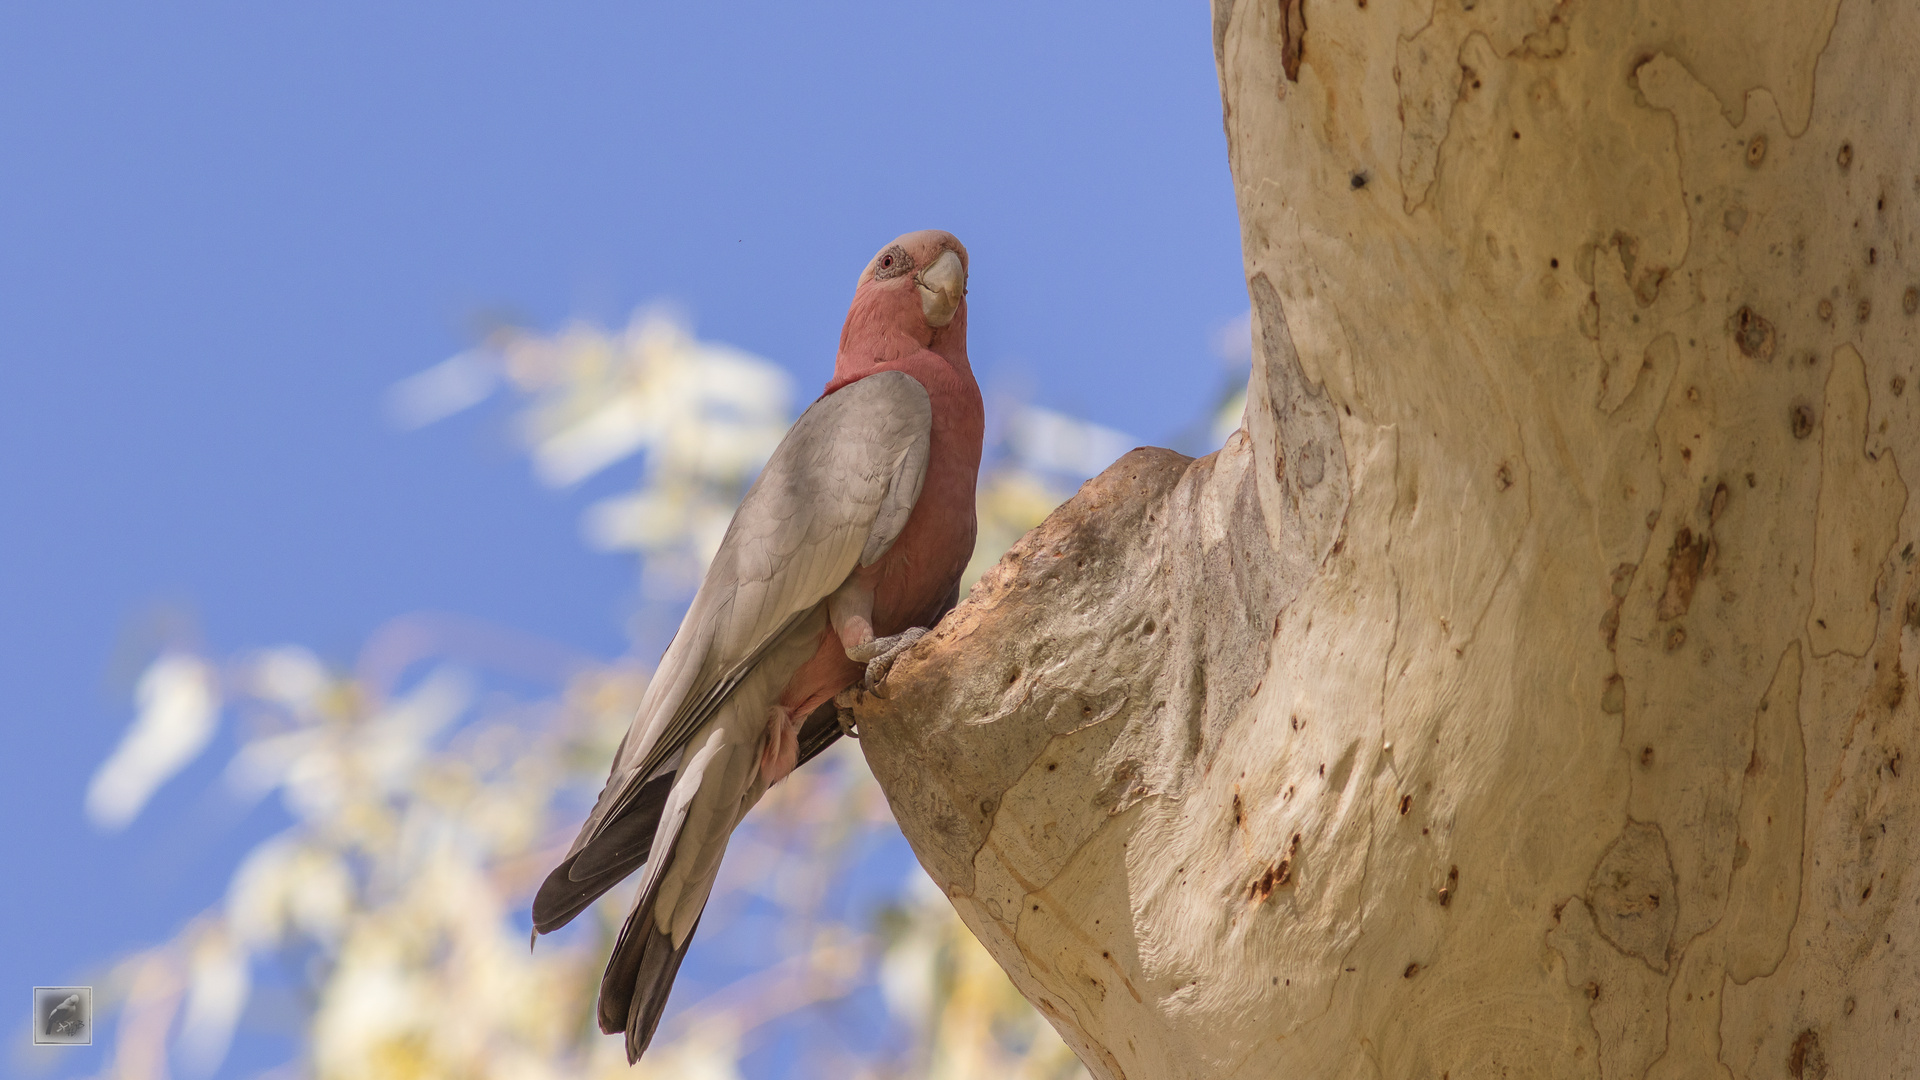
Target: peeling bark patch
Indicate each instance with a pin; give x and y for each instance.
(1127, 786)
(1610, 620)
(1684, 562)
(1753, 334)
(1857, 517)
(1646, 287)
(1613, 695)
(1550, 41)
(1631, 894)
(1222, 19)
(1293, 36)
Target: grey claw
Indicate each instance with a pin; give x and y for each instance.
(880, 653)
(843, 711)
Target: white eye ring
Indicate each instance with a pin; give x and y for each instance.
(891, 263)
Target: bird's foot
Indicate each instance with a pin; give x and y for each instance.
(879, 655)
(843, 711)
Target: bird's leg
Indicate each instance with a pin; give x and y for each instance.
(850, 609)
(782, 748)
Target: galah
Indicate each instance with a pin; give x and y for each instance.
(65, 1017)
(851, 542)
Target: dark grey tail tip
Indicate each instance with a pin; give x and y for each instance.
(638, 1039)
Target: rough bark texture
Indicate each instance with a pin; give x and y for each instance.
(1525, 692)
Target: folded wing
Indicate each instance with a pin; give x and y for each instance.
(834, 496)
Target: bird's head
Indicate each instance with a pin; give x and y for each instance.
(930, 266)
(911, 296)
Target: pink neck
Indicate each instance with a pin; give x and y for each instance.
(885, 331)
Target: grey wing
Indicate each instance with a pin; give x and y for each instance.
(834, 496)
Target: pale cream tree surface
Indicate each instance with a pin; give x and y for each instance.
(1525, 690)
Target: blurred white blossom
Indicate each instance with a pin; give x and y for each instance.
(289, 675)
(702, 412)
(1233, 342)
(459, 382)
(178, 698)
(704, 417)
(218, 983)
(1054, 442)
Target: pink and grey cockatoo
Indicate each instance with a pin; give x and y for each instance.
(851, 543)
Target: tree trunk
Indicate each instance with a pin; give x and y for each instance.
(1524, 692)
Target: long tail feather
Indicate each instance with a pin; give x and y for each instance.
(620, 849)
(639, 976)
(654, 964)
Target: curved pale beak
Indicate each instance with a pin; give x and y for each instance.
(941, 286)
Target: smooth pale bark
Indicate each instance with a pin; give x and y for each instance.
(1526, 690)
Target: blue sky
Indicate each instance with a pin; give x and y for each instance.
(226, 229)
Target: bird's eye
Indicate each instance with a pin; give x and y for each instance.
(892, 263)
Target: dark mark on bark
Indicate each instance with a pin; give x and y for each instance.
(1684, 563)
(1806, 1061)
(1277, 876)
(1802, 421)
(1753, 334)
(1293, 36)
